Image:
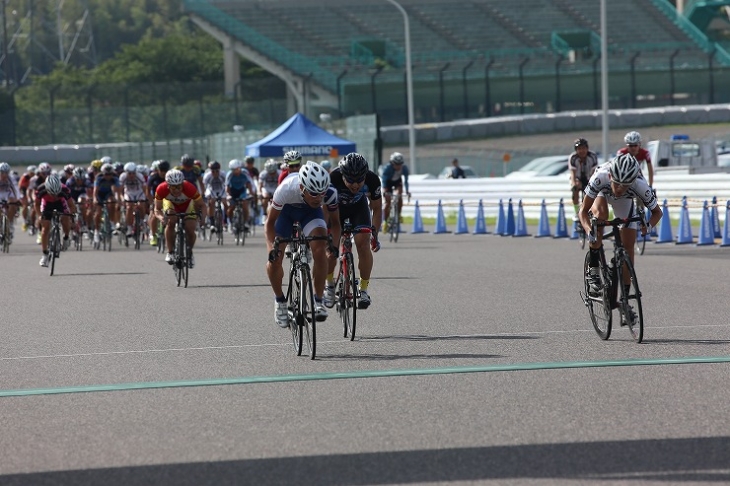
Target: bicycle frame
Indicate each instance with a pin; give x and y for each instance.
(346, 288)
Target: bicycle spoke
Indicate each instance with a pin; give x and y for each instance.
(630, 308)
(599, 306)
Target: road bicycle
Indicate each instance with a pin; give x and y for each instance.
(612, 292)
(5, 236)
(55, 244)
(300, 292)
(346, 286)
(237, 222)
(217, 221)
(105, 229)
(645, 215)
(181, 252)
(137, 225)
(77, 236)
(394, 218)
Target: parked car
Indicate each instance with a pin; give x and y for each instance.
(536, 167)
(468, 172)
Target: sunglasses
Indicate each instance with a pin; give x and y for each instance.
(632, 145)
(354, 181)
(316, 194)
(177, 186)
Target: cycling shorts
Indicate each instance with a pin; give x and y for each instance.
(390, 185)
(47, 208)
(358, 214)
(187, 207)
(237, 194)
(623, 208)
(309, 219)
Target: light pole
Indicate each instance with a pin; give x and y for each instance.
(604, 81)
(409, 87)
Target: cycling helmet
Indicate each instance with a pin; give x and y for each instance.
(314, 178)
(53, 185)
(326, 164)
(249, 159)
(69, 168)
(174, 177)
(624, 169)
(580, 142)
(96, 164)
(142, 169)
(130, 167)
(235, 164)
(118, 167)
(31, 168)
(164, 166)
(107, 169)
(397, 158)
(293, 157)
(632, 138)
(106, 160)
(198, 164)
(270, 166)
(79, 173)
(45, 168)
(4, 167)
(215, 165)
(155, 164)
(354, 166)
(187, 161)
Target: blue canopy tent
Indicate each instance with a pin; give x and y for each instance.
(301, 134)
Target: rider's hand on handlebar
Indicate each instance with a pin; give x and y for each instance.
(374, 243)
(274, 254)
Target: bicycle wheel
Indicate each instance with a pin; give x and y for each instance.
(581, 237)
(218, 221)
(293, 296)
(631, 303)
(395, 229)
(350, 307)
(599, 306)
(306, 308)
(53, 246)
(137, 230)
(5, 233)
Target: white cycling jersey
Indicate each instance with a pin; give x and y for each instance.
(288, 193)
(215, 186)
(269, 182)
(623, 206)
(133, 185)
(9, 190)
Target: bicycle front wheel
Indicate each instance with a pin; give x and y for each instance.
(396, 226)
(640, 242)
(5, 232)
(349, 308)
(632, 315)
(306, 308)
(599, 305)
(53, 245)
(293, 297)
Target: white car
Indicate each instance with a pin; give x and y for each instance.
(538, 166)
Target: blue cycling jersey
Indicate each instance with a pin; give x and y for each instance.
(389, 173)
(237, 182)
(104, 185)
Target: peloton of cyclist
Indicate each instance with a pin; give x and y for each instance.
(615, 183)
(395, 176)
(176, 195)
(356, 184)
(303, 197)
(53, 195)
(633, 147)
(581, 165)
(134, 189)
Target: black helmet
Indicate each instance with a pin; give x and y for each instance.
(164, 166)
(187, 160)
(249, 159)
(580, 142)
(354, 166)
(215, 165)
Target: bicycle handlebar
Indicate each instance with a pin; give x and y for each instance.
(615, 221)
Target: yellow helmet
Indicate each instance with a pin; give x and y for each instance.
(96, 164)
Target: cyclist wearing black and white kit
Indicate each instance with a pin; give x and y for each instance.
(581, 165)
(356, 184)
(215, 187)
(616, 183)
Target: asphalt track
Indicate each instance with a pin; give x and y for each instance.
(476, 364)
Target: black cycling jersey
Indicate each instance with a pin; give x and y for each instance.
(371, 188)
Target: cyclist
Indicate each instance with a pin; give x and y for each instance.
(106, 189)
(615, 183)
(23, 185)
(134, 189)
(215, 187)
(356, 184)
(581, 165)
(80, 187)
(191, 172)
(395, 176)
(9, 192)
(253, 171)
(293, 162)
(301, 198)
(68, 172)
(633, 147)
(268, 182)
(44, 170)
(160, 168)
(53, 195)
(237, 183)
(177, 195)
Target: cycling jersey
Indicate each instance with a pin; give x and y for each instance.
(133, 186)
(284, 174)
(583, 169)
(190, 175)
(79, 187)
(24, 182)
(105, 187)
(253, 172)
(371, 189)
(392, 177)
(289, 200)
(181, 202)
(154, 181)
(269, 183)
(8, 190)
(49, 203)
(215, 185)
(600, 185)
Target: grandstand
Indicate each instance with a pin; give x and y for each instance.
(347, 56)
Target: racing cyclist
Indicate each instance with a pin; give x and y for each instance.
(356, 184)
(10, 193)
(135, 189)
(303, 197)
(616, 183)
(395, 176)
(191, 172)
(633, 147)
(176, 195)
(268, 182)
(215, 187)
(80, 187)
(53, 195)
(581, 165)
(107, 189)
(237, 183)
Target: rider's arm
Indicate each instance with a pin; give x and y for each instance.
(650, 169)
(405, 180)
(335, 225)
(583, 213)
(270, 227)
(158, 209)
(656, 216)
(376, 205)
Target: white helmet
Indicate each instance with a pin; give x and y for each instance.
(314, 178)
(624, 169)
(235, 164)
(106, 160)
(53, 185)
(271, 166)
(130, 167)
(31, 168)
(632, 138)
(4, 167)
(174, 177)
(45, 168)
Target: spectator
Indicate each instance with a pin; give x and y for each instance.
(457, 172)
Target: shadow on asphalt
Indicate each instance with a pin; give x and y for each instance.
(227, 286)
(665, 460)
(421, 337)
(96, 274)
(395, 357)
(686, 341)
